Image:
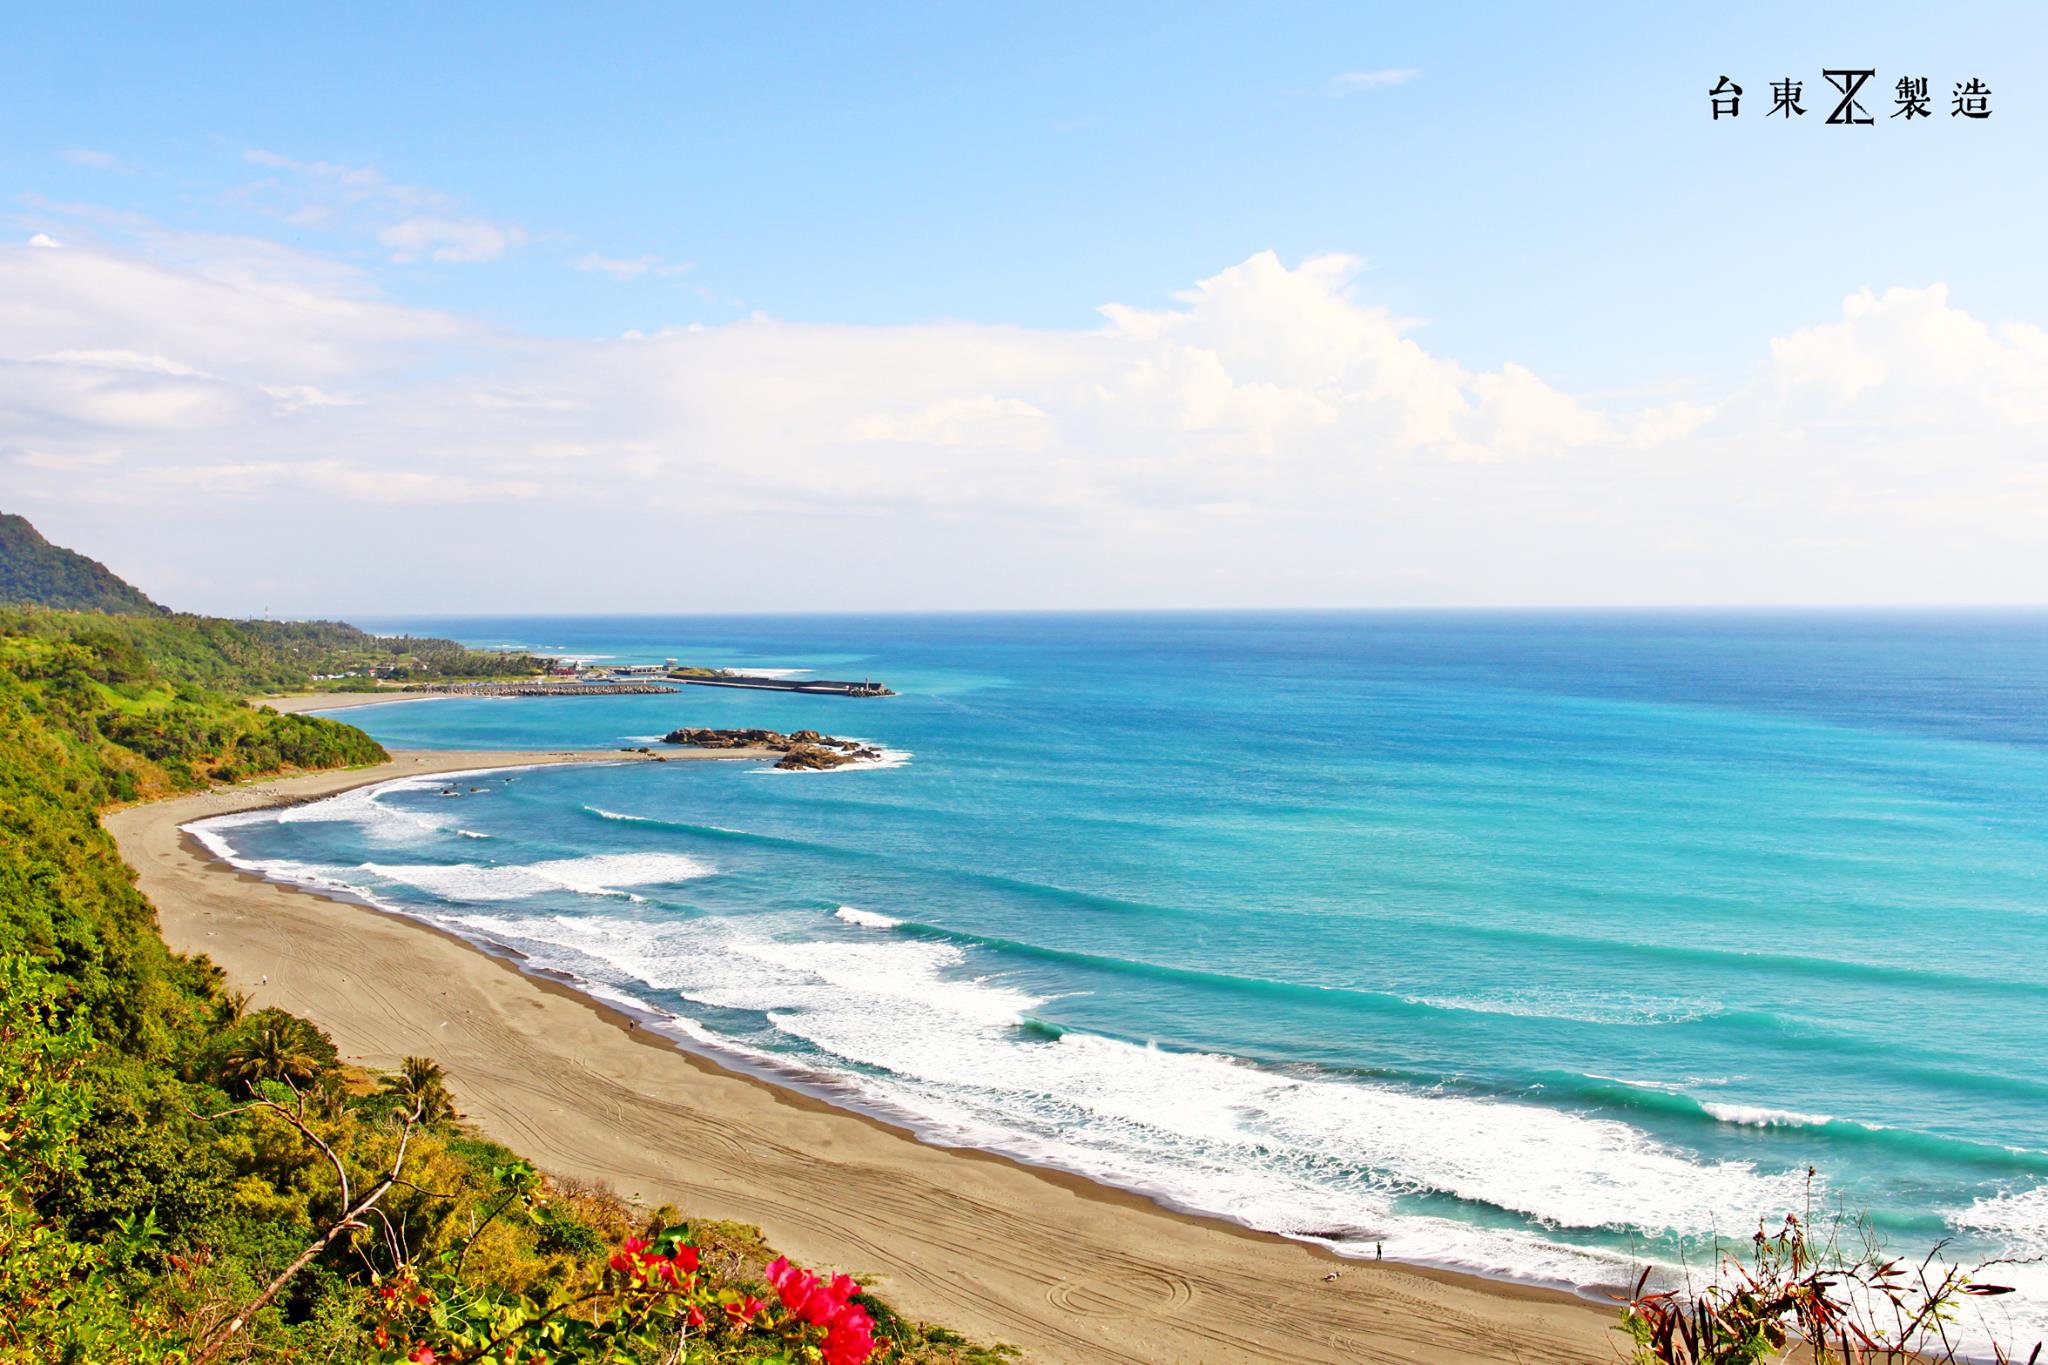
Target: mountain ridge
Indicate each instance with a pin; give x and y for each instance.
(34, 572)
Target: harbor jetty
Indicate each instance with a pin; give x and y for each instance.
(644, 680)
(542, 689)
(817, 686)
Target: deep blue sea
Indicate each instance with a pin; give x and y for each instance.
(1537, 944)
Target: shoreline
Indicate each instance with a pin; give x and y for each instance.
(298, 703)
(999, 1249)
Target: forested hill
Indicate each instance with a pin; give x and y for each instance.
(211, 651)
(33, 572)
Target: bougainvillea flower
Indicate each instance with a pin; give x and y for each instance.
(850, 1340)
(624, 1258)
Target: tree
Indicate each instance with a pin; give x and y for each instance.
(278, 1048)
(420, 1084)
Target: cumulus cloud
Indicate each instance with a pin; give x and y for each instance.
(1266, 436)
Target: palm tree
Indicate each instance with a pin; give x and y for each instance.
(277, 1052)
(420, 1081)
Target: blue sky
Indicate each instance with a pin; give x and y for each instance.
(1544, 173)
(1536, 186)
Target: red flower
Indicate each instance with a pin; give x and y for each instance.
(696, 1318)
(623, 1259)
(423, 1356)
(686, 1257)
(743, 1313)
(850, 1340)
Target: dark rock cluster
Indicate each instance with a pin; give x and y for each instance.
(800, 749)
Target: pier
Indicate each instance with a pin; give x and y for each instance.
(541, 689)
(823, 686)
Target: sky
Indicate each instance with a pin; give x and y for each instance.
(381, 309)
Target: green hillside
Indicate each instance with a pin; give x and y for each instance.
(33, 572)
(211, 651)
(183, 1179)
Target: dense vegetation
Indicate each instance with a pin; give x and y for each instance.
(184, 1179)
(334, 650)
(34, 572)
(208, 651)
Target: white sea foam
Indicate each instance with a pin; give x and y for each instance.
(2016, 1221)
(1590, 1008)
(890, 758)
(1757, 1116)
(600, 875)
(616, 815)
(2018, 1218)
(365, 807)
(909, 1028)
(866, 919)
(1690, 1083)
(1287, 1152)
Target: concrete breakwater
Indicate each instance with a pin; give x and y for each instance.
(826, 686)
(541, 689)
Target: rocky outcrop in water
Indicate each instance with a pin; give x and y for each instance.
(801, 750)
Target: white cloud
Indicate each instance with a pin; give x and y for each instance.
(1351, 82)
(450, 239)
(415, 222)
(629, 268)
(337, 181)
(1267, 436)
(94, 159)
(1907, 355)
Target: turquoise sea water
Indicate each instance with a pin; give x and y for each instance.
(1535, 944)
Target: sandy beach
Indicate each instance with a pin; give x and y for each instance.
(294, 703)
(1064, 1269)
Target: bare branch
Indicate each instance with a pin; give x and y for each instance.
(352, 1218)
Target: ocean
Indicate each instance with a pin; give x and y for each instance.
(1542, 945)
